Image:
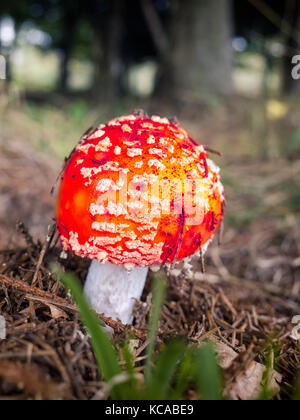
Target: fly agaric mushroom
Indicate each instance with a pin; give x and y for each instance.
(136, 193)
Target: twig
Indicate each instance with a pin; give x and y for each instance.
(24, 231)
(221, 233)
(24, 355)
(282, 24)
(34, 293)
(50, 235)
(24, 287)
(66, 306)
(226, 301)
(215, 152)
(202, 261)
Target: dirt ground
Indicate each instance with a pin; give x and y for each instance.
(26, 179)
(244, 302)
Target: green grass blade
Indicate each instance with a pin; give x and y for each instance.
(103, 349)
(207, 373)
(132, 388)
(296, 390)
(158, 294)
(167, 363)
(268, 392)
(296, 396)
(184, 377)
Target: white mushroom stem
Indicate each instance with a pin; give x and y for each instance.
(112, 290)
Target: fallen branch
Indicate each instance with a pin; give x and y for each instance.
(34, 293)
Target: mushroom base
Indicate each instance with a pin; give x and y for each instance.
(111, 290)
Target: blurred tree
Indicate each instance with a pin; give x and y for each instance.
(58, 18)
(122, 39)
(107, 21)
(189, 40)
(199, 58)
(69, 21)
(272, 19)
(18, 9)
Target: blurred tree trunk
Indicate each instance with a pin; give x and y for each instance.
(8, 68)
(292, 47)
(200, 54)
(108, 61)
(69, 26)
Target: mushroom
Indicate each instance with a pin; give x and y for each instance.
(136, 193)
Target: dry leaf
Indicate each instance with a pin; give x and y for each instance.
(248, 385)
(57, 313)
(226, 355)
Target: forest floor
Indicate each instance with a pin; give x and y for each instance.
(245, 302)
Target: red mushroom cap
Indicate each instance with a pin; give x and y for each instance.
(139, 191)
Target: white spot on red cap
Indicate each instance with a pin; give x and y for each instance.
(106, 240)
(134, 152)
(116, 209)
(97, 209)
(117, 150)
(104, 185)
(97, 134)
(103, 145)
(158, 152)
(147, 125)
(126, 128)
(85, 148)
(151, 140)
(158, 119)
(109, 227)
(156, 163)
